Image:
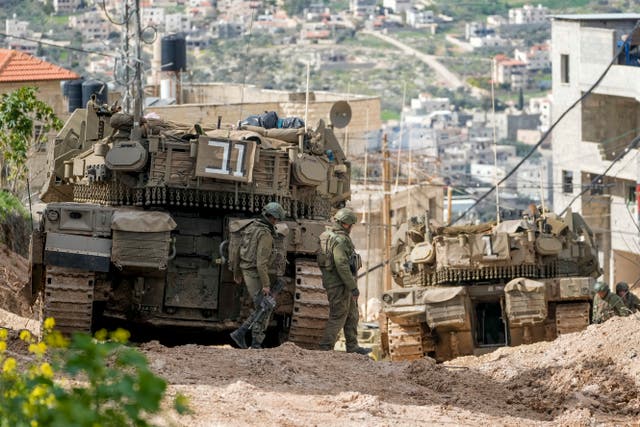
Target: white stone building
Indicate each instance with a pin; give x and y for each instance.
(528, 14)
(397, 6)
(589, 141)
(92, 25)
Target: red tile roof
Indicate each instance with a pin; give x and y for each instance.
(18, 66)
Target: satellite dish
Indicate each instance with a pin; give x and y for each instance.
(340, 114)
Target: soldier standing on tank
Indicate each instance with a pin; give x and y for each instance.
(606, 304)
(630, 300)
(339, 263)
(257, 254)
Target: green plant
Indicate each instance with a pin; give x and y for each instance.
(20, 111)
(84, 381)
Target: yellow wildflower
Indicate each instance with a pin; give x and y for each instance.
(49, 323)
(9, 365)
(101, 335)
(56, 340)
(25, 335)
(37, 392)
(3, 334)
(3, 346)
(34, 423)
(120, 335)
(50, 400)
(46, 370)
(38, 349)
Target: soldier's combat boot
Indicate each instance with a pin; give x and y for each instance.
(238, 336)
(360, 350)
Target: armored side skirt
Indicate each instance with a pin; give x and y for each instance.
(81, 252)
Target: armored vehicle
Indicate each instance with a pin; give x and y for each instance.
(141, 222)
(465, 290)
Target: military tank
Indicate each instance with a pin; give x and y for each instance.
(465, 290)
(141, 220)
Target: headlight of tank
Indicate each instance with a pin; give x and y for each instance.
(387, 298)
(53, 215)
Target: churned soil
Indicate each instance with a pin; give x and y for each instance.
(581, 379)
(586, 378)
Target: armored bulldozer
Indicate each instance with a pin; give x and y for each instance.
(465, 290)
(140, 221)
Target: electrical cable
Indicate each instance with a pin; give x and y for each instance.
(548, 132)
(75, 49)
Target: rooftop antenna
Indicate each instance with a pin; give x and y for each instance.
(495, 143)
(136, 132)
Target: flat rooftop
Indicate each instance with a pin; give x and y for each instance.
(598, 17)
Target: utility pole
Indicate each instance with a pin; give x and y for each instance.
(386, 212)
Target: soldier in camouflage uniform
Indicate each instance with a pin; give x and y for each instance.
(630, 300)
(339, 264)
(257, 254)
(606, 304)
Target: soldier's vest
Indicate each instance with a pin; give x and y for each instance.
(328, 241)
(248, 246)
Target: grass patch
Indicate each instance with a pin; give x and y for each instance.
(390, 115)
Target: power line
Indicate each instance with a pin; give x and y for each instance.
(548, 132)
(75, 49)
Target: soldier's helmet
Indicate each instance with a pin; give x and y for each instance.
(622, 287)
(600, 286)
(345, 216)
(273, 209)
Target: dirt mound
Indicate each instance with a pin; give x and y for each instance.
(597, 370)
(585, 378)
(14, 276)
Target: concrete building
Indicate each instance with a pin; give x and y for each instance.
(537, 57)
(92, 25)
(510, 72)
(528, 14)
(420, 18)
(397, 6)
(203, 103)
(362, 8)
(65, 6)
(591, 139)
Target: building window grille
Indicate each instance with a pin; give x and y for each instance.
(567, 182)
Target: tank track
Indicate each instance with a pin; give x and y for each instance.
(572, 317)
(68, 298)
(310, 306)
(408, 339)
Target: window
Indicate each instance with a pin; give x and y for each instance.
(631, 194)
(567, 182)
(564, 68)
(597, 187)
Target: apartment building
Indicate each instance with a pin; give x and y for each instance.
(592, 139)
(528, 14)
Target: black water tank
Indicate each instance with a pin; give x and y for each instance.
(91, 87)
(74, 94)
(174, 53)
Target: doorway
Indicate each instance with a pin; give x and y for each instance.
(490, 326)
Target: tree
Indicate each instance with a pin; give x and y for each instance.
(20, 112)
